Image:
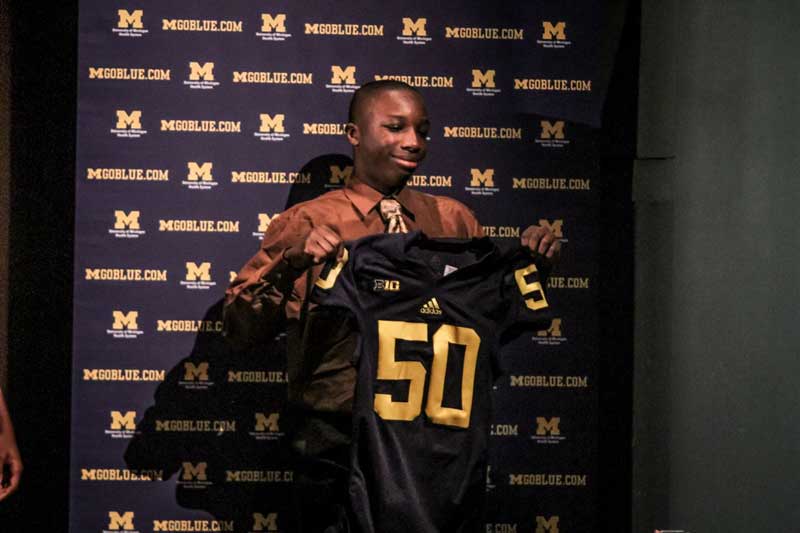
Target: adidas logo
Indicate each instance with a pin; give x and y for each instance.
(431, 308)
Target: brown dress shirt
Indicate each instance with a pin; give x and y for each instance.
(267, 290)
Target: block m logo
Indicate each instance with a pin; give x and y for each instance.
(268, 423)
(548, 427)
(130, 20)
(194, 472)
(199, 172)
(123, 522)
(552, 130)
(483, 79)
(195, 272)
(125, 320)
(552, 31)
(411, 27)
(547, 525)
(126, 421)
(339, 175)
(201, 72)
(485, 178)
(270, 123)
(126, 220)
(271, 24)
(341, 75)
(195, 372)
(556, 226)
(129, 120)
(265, 523)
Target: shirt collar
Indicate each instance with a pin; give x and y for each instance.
(364, 198)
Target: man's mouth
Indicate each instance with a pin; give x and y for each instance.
(409, 164)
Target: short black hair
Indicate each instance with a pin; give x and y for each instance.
(373, 87)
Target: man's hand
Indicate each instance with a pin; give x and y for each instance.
(10, 460)
(542, 241)
(321, 244)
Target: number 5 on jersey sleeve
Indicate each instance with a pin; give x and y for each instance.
(328, 281)
(527, 287)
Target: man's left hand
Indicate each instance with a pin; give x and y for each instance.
(541, 241)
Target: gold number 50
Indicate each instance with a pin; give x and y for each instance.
(389, 332)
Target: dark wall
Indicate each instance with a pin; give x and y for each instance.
(43, 81)
(716, 398)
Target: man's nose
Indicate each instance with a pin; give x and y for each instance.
(414, 141)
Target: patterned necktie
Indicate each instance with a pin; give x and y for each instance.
(392, 216)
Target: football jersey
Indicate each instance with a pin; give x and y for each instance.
(431, 314)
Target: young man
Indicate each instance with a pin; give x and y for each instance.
(387, 128)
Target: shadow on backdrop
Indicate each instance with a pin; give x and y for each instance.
(244, 465)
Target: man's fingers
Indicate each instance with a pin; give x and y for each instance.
(545, 242)
(526, 235)
(554, 249)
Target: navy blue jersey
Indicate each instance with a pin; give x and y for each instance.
(431, 314)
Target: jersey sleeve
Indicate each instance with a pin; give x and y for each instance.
(523, 292)
(335, 286)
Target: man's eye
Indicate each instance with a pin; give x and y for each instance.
(394, 127)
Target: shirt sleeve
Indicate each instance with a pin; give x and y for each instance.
(523, 290)
(256, 298)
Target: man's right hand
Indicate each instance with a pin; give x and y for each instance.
(321, 244)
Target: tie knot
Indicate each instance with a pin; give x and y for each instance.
(391, 212)
(390, 208)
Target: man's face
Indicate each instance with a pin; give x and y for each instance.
(389, 139)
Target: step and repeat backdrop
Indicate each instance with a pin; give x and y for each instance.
(199, 122)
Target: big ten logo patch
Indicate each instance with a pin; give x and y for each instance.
(481, 182)
(198, 276)
(552, 134)
(554, 35)
(201, 75)
(121, 521)
(130, 23)
(414, 32)
(124, 325)
(128, 124)
(194, 475)
(271, 128)
(195, 376)
(121, 425)
(343, 79)
(273, 27)
(127, 225)
(266, 426)
(483, 83)
(548, 430)
(552, 335)
(338, 176)
(199, 176)
(386, 285)
(265, 522)
(264, 221)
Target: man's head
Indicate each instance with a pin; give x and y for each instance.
(388, 128)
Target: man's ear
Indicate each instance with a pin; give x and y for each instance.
(353, 134)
